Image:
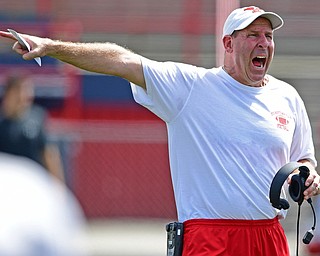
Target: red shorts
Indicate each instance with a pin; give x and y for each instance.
(203, 237)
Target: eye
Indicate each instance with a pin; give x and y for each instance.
(252, 35)
(269, 36)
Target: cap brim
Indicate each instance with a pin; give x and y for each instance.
(275, 19)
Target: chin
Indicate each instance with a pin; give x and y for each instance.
(258, 75)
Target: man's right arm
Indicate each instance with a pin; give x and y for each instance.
(104, 58)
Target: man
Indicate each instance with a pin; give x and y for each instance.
(22, 126)
(229, 130)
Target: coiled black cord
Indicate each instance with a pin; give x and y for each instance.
(309, 234)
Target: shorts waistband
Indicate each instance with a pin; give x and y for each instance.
(231, 222)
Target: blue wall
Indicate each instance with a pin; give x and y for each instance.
(105, 89)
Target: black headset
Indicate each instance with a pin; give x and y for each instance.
(296, 189)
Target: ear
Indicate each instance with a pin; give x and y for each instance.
(227, 43)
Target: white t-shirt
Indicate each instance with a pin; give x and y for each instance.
(226, 140)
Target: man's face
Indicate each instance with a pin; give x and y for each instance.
(251, 52)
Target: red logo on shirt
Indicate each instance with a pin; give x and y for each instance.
(282, 120)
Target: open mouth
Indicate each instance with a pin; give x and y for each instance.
(259, 61)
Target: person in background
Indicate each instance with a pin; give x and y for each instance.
(230, 129)
(22, 126)
(39, 215)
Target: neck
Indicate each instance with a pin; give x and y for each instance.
(261, 83)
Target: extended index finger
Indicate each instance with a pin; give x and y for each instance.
(7, 35)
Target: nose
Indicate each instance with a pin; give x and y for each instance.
(264, 42)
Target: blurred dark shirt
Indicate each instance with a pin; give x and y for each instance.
(24, 136)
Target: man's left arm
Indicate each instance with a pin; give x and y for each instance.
(53, 161)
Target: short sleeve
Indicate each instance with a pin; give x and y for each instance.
(169, 85)
(302, 145)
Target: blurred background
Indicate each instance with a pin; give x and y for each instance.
(114, 151)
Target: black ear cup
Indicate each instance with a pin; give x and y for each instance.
(297, 186)
(296, 189)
